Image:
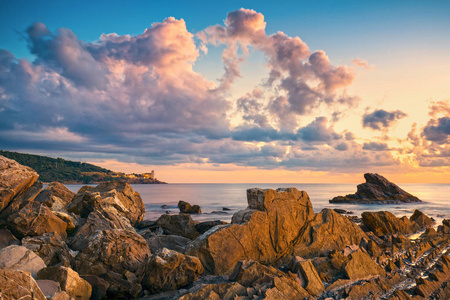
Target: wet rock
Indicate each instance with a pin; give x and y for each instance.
(35, 219)
(327, 231)
(19, 285)
(99, 286)
(69, 280)
(205, 226)
(56, 196)
(186, 208)
(117, 195)
(50, 247)
(20, 258)
(116, 250)
(270, 233)
(181, 225)
(15, 179)
(385, 223)
(49, 287)
(361, 265)
(172, 242)
(168, 270)
(7, 239)
(343, 211)
(377, 189)
(421, 219)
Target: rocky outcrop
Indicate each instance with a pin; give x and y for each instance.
(116, 250)
(181, 225)
(14, 180)
(69, 281)
(168, 270)
(35, 219)
(361, 265)
(327, 231)
(272, 228)
(20, 258)
(377, 190)
(385, 223)
(56, 196)
(186, 208)
(19, 285)
(118, 195)
(421, 219)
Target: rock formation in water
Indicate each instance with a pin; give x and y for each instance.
(84, 246)
(377, 190)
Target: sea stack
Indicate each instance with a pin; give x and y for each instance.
(377, 190)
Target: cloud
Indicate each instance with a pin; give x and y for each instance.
(437, 130)
(374, 146)
(381, 119)
(317, 131)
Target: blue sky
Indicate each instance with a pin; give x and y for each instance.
(359, 86)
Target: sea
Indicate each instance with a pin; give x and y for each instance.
(221, 201)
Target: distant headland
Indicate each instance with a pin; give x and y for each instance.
(73, 172)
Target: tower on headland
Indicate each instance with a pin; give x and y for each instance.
(149, 175)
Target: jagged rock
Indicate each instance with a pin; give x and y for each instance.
(181, 225)
(361, 265)
(313, 283)
(373, 249)
(21, 200)
(186, 208)
(19, 285)
(223, 291)
(120, 287)
(50, 247)
(172, 242)
(70, 220)
(377, 189)
(35, 219)
(391, 266)
(14, 180)
(49, 287)
(69, 280)
(104, 219)
(429, 232)
(168, 270)
(118, 195)
(62, 296)
(421, 219)
(385, 223)
(269, 234)
(400, 295)
(20, 258)
(327, 231)
(99, 286)
(7, 239)
(207, 225)
(116, 250)
(56, 196)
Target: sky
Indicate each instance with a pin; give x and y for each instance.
(236, 91)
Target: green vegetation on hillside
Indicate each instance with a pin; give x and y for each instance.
(66, 171)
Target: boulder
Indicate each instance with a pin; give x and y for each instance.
(104, 219)
(69, 280)
(7, 239)
(49, 287)
(313, 283)
(120, 287)
(14, 180)
(50, 247)
(327, 231)
(172, 242)
(203, 227)
(385, 223)
(56, 196)
(21, 200)
(377, 189)
(19, 285)
(116, 250)
(99, 286)
(360, 265)
(186, 208)
(169, 270)
(181, 225)
(70, 220)
(270, 233)
(421, 219)
(20, 258)
(35, 219)
(118, 195)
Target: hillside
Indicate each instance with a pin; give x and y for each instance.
(66, 171)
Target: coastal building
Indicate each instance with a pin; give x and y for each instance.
(150, 175)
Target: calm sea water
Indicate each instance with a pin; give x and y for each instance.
(212, 198)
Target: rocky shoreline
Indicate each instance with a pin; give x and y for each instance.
(55, 244)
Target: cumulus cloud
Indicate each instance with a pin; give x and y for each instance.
(317, 131)
(375, 146)
(381, 119)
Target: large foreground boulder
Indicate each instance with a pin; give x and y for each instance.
(19, 285)
(14, 180)
(168, 270)
(56, 196)
(326, 232)
(118, 195)
(20, 258)
(273, 223)
(377, 189)
(385, 223)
